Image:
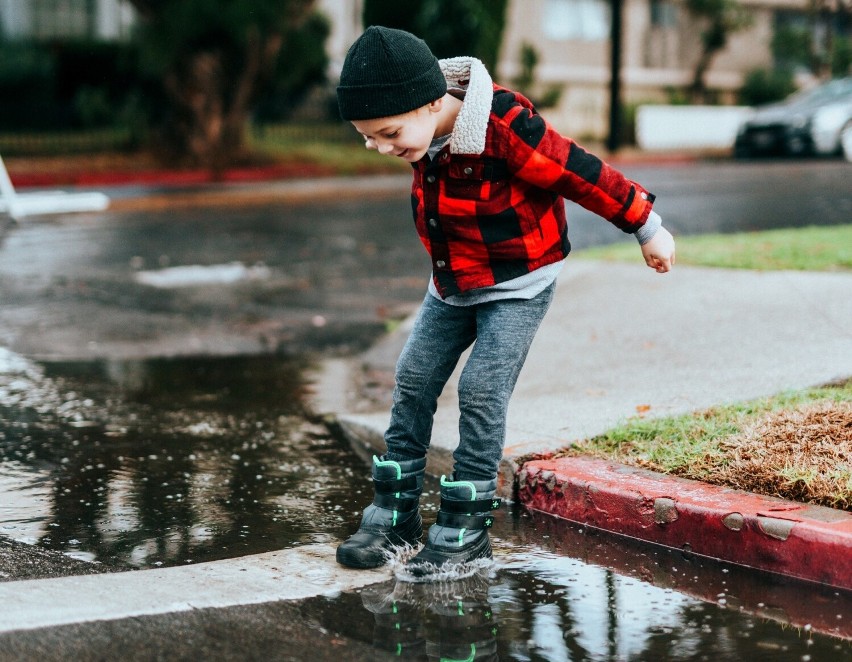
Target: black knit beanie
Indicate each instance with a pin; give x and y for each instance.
(388, 72)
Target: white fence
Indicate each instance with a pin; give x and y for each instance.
(688, 127)
(17, 205)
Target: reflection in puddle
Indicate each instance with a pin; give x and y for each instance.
(167, 462)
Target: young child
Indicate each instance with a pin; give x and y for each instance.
(489, 178)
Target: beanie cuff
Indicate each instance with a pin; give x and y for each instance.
(372, 101)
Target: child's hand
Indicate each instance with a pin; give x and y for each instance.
(659, 253)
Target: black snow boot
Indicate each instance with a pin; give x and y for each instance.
(460, 533)
(392, 520)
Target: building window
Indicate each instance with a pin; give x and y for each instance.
(62, 18)
(581, 20)
(663, 14)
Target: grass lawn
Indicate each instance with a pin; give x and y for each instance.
(814, 248)
(795, 445)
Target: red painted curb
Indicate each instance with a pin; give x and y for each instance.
(812, 543)
(166, 177)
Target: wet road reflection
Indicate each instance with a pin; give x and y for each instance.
(166, 462)
(543, 607)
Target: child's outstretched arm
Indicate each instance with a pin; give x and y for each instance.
(659, 251)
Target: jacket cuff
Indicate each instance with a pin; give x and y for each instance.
(649, 229)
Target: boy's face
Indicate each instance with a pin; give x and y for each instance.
(407, 136)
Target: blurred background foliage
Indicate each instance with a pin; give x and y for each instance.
(195, 77)
(460, 27)
(186, 83)
(210, 62)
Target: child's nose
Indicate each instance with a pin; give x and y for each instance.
(385, 148)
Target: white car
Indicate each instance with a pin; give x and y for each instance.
(815, 121)
(846, 141)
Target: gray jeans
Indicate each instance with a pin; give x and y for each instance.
(501, 333)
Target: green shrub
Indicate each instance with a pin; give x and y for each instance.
(64, 85)
(27, 75)
(765, 86)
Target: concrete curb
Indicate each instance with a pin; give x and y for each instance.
(810, 543)
(289, 574)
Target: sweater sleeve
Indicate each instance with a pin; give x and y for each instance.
(542, 157)
(652, 225)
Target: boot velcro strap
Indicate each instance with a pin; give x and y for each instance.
(391, 502)
(395, 485)
(459, 521)
(452, 506)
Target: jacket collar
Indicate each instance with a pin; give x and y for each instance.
(470, 75)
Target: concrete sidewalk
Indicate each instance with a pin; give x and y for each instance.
(621, 339)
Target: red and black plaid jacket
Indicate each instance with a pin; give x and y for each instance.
(488, 217)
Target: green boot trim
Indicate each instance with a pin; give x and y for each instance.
(395, 465)
(460, 483)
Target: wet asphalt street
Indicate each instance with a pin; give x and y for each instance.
(87, 295)
(321, 275)
(85, 286)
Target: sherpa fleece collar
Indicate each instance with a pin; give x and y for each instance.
(469, 74)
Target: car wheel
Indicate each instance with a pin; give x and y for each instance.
(846, 141)
(795, 146)
(742, 151)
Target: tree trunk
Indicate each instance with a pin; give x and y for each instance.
(212, 104)
(698, 89)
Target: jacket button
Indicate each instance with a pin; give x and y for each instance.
(430, 179)
(440, 264)
(433, 222)
(468, 171)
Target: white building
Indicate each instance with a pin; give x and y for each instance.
(48, 19)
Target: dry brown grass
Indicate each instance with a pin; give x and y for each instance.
(796, 445)
(803, 454)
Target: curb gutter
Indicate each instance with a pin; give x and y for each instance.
(810, 543)
(767, 596)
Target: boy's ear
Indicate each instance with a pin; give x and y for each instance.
(436, 105)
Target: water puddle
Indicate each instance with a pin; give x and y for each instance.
(167, 462)
(195, 275)
(140, 464)
(558, 591)
(544, 607)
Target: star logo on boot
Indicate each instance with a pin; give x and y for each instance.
(489, 522)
